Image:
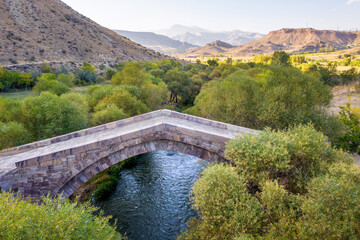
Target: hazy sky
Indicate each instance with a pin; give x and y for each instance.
(248, 15)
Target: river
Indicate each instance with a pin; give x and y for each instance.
(151, 201)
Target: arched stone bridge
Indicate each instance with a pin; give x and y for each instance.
(64, 163)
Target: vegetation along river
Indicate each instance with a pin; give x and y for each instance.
(151, 200)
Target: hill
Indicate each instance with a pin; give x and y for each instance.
(200, 36)
(49, 30)
(299, 40)
(291, 40)
(210, 49)
(157, 42)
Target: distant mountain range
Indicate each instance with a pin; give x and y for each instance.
(157, 42)
(49, 30)
(199, 36)
(287, 39)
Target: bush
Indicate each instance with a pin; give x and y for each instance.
(350, 116)
(280, 185)
(48, 116)
(272, 96)
(47, 84)
(13, 134)
(106, 114)
(54, 219)
(45, 68)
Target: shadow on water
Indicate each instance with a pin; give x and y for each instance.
(151, 200)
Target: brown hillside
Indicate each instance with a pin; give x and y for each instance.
(291, 40)
(209, 49)
(298, 40)
(49, 30)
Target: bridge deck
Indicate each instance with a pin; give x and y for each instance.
(9, 158)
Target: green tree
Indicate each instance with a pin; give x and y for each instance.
(54, 219)
(13, 134)
(88, 67)
(132, 74)
(107, 114)
(280, 58)
(179, 84)
(45, 68)
(47, 83)
(48, 115)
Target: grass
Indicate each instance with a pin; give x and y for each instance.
(17, 94)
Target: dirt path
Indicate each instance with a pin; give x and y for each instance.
(341, 98)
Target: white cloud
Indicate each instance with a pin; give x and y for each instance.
(352, 1)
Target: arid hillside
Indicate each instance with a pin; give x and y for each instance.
(292, 40)
(49, 30)
(209, 49)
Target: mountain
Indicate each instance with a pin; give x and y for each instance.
(210, 49)
(49, 30)
(289, 40)
(200, 36)
(298, 40)
(157, 42)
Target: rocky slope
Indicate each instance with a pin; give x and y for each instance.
(49, 30)
(290, 40)
(210, 49)
(157, 42)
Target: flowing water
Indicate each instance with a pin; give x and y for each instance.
(151, 201)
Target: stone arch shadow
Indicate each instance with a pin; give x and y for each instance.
(69, 187)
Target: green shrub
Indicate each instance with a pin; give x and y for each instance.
(13, 134)
(280, 185)
(54, 219)
(109, 113)
(350, 116)
(47, 83)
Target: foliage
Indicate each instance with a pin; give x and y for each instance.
(110, 73)
(350, 116)
(48, 83)
(224, 205)
(272, 96)
(108, 114)
(48, 115)
(88, 68)
(10, 80)
(280, 185)
(13, 134)
(131, 74)
(179, 84)
(45, 68)
(280, 58)
(54, 219)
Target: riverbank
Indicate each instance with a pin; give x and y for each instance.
(103, 184)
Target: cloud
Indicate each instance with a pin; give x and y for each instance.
(352, 1)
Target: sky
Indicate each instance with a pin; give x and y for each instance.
(221, 15)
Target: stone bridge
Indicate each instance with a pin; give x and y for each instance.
(64, 163)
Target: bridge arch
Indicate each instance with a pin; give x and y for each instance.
(62, 164)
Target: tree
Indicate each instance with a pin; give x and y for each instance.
(107, 114)
(280, 58)
(273, 96)
(48, 115)
(56, 218)
(154, 95)
(179, 84)
(88, 67)
(45, 68)
(132, 74)
(280, 185)
(49, 84)
(13, 134)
